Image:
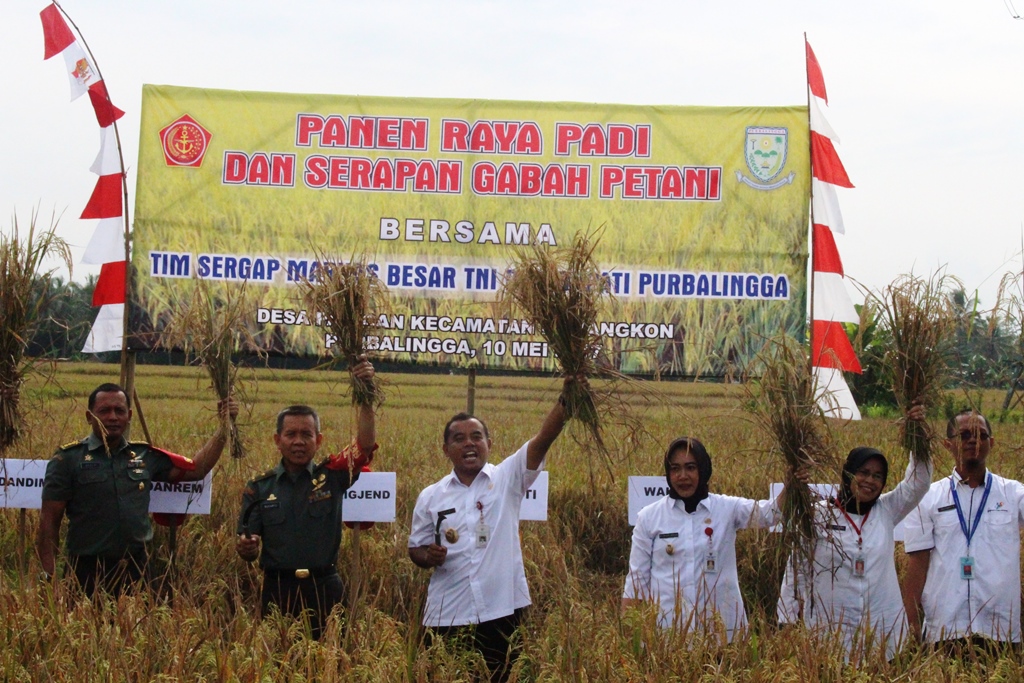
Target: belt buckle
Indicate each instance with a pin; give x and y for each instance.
(301, 573)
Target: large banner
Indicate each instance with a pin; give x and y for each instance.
(702, 212)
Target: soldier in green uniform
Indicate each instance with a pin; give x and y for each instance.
(102, 483)
(294, 512)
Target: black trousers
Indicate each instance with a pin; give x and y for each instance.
(114, 576)
(969, 646)
(316, 595)
(492, 639)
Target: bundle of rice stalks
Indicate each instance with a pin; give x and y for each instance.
(23, 299)
(920, 317)
(783, 403)
(561, 292)
(349, 298)
(210, 328)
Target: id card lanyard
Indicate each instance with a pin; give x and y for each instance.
(967, 562)
(859, 561)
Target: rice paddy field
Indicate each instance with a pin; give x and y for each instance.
(575, 562)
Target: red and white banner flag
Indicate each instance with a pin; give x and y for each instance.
(831, 350)
(107, 245)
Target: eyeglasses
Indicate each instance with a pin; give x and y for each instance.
(864, 474)
(968, 434)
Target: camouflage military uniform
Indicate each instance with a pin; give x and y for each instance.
(107, 498)
(298, 517)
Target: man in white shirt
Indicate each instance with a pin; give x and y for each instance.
(963, 547)
(466, 528)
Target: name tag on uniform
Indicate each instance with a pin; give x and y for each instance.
(837, 527)
(967, 568)
(946, 508)
(269, 505)
(89, 466)
(672, 535)
(483, 534)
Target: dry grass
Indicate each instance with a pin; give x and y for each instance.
(349, 298)
(919, 315)
(211, 327)
(24, 288)
(575, 562)
(563, 294)
(783, 403)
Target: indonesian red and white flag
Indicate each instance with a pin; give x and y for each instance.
(56, 34)
(825, 206)
(107, 243)
(108, 161)
(831, 350)
(815, 79)
(110, 284)
(833, 396)
(105, 201)
(819, 123)
(107, 329)
(81, 71)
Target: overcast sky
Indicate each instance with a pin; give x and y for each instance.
(927, 96)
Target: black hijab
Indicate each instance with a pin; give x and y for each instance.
(700, 455)
(854, 461)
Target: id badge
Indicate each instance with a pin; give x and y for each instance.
(967, 568)
(858, 566)
(710, 565)
(483, 534)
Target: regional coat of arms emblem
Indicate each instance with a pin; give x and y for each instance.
(765, 151)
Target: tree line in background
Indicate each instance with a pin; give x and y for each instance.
(65, 319)
(987, 353)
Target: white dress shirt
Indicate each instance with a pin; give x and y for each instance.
(668, 560)
(871, 602)
(476, 584)
(989, 604)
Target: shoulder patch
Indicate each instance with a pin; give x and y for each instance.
(71, 444)
(268, 473)
(138, 443)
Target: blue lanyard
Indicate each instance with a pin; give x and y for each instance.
(981, 508)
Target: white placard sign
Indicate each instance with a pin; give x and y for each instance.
(827, 491)
(21, 486)
(189, 497)
(371, 498)
(642, 492)
(535, 502)
(21, 483)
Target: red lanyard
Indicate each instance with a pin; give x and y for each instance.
(860, 541)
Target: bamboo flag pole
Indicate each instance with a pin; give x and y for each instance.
(810, 241)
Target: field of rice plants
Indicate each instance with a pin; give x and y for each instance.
(575, 562)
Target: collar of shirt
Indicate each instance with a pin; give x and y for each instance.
(453, 480)
(281, 470)
(94, 443)
(678, 504)
(960, 481)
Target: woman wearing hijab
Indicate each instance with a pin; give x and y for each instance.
(852, 578)
(683, 555)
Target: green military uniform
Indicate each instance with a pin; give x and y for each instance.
(298, 517)
(107, 497)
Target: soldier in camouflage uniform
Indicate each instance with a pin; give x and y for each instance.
(102, 483)
(294, 511)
